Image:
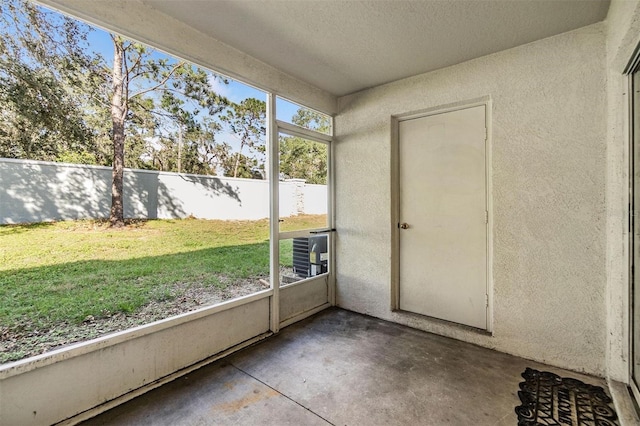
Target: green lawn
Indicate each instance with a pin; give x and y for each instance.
(68, 271)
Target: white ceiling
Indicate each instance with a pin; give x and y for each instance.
(346, 46)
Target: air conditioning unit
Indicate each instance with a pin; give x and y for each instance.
(310, 256)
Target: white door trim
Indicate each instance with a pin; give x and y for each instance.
(395, 199)
(633, 269)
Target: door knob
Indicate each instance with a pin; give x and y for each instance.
(404, 226)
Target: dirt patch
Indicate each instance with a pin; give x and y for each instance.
(29, 340)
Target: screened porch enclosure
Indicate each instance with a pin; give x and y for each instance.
(331, 340)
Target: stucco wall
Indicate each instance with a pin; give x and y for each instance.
(623, 35)
(548, 175)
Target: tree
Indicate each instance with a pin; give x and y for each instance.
(40, 63)
(312, 120)
(242, 166)
(136, 76)
(304, 159)
(203, 154)
(60, 101)
(247, 120)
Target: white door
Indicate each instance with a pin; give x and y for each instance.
(443, 215)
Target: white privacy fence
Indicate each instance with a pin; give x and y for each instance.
(38, 191)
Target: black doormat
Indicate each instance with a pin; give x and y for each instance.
(548, 399)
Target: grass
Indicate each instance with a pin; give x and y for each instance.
(68, 271)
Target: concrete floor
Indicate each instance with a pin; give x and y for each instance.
(342, 368)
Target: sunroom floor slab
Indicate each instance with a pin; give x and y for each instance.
(343, 368)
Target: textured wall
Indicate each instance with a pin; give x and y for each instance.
(38, 191)
(623, 35)
(548, 174)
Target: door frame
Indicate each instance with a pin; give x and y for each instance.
(395, 195)
(632, 67)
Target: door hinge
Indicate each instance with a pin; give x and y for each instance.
(486, 216)
(486, 134)
(486, 300)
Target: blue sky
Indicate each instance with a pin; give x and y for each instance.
(100, 42)
(235, 91)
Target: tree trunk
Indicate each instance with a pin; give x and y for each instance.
(235, 169)
(180, 148)
(118, 114)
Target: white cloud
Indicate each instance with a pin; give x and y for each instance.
(218, 86)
